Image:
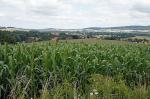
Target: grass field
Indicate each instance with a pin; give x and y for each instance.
(95, 41)
(75, 69)
(142, 37)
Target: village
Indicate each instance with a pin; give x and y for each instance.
(56, 36)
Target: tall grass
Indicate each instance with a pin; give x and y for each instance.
(74, 70)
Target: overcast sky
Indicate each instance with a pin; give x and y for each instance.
(73, 13)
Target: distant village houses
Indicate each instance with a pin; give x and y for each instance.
(135, 40)
(32, 39)
(66, 36)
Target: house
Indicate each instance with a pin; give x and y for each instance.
(32, 39)
(136, 40)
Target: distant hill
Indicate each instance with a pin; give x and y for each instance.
(46, 30)
(13, 29)
(132, 27)
(122, 28)
(73, 30)
(94, 28)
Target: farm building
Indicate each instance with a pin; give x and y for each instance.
(32, 39)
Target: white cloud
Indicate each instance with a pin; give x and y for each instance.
(2, 14)
(73, 13)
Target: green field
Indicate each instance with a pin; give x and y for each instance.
(75, 69)
(141, 37)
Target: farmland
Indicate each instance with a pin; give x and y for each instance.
(85, 69)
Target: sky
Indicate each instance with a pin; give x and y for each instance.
(69, 14)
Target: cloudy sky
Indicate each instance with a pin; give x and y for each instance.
(73, 13)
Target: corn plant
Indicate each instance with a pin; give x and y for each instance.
(65, 69)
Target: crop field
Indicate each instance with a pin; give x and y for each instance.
(142, 37)
(75, 70)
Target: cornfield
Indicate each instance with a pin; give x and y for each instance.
(74, 71)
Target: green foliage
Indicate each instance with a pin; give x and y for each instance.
(13, 37)
(68, 70)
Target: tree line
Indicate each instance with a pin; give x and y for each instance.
(13, 37)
